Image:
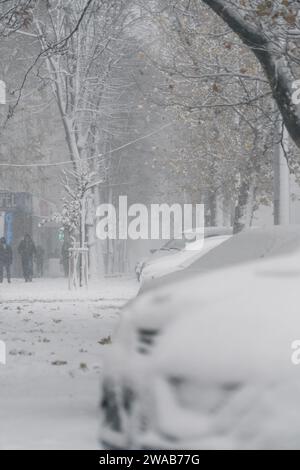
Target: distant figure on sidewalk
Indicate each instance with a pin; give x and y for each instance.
(65, 255)
(40, 254)
(5, 259)
(27, 251)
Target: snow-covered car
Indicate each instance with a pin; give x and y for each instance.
(204, 362)
(178, 254)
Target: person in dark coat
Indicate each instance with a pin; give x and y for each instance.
(27, 251)
(5, 259)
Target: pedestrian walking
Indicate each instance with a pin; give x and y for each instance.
(27, 251)
(6, 259)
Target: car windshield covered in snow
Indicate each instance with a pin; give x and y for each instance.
(174, 244)
(190, 236)
(243, 247)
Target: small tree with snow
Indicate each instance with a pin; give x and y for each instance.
(76, 183)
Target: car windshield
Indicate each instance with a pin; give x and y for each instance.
(190, 236)
(174, 244)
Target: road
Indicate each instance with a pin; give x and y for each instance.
(50, 384)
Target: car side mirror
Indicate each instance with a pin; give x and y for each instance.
(153, 250)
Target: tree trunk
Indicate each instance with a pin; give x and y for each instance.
(219, 209)
(245, 204)
(110, 243)
(227, 211)
(281, 183)
(212, 209)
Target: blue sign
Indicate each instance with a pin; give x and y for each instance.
(9, 227)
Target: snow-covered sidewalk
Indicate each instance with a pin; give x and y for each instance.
(49, 290)
(49, 389)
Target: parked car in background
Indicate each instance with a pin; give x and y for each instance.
(179, 253)
(139, 268)
(204, 360)
(168, 248)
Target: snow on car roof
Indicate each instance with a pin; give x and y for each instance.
(252, 244)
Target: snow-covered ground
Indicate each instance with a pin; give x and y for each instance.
(55, 339)
(56, 289)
